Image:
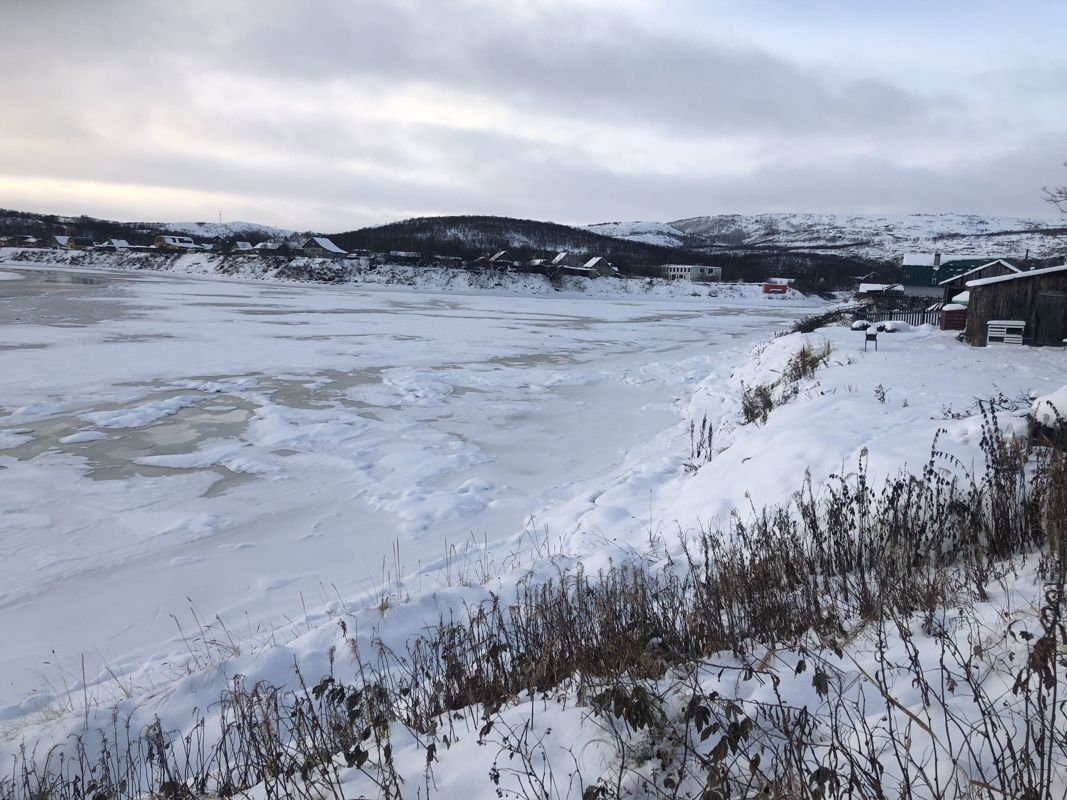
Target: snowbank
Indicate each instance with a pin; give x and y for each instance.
(1050, 409)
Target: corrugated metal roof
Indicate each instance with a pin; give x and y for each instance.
(1034, 273)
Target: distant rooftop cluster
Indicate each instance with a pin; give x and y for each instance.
(320, 247)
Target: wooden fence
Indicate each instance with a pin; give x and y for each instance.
(910, 317)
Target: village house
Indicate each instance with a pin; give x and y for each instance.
(580, 272)
(565, 259)
(404, 258)
(602, 267)
(1030, 307)
(923, 272)
(452, 262)
(502, 259)
(321, 247)
(181, 243)
(538, 266)
(692, 272)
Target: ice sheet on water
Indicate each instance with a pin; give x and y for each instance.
(141, 415)
(83, 436)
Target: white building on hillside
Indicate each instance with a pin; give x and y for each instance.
(692, 272)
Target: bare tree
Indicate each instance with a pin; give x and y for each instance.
(1057, 195)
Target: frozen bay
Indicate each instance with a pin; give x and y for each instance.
(257, 450)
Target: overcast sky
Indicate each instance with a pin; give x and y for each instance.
(335, 115)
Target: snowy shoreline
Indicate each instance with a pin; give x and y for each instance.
(305, 271)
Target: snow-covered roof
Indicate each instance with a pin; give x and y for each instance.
(243, 246)
(1016, 276)
(118, 244)
(325, 244)
(919, 259)
(268, 246)
(596, 261)
(929, 259)
(962, 297)
(866, 288)
(781, 281)
(949, 258)
(980, 267)
(560, 257)
(62, 240)
(501, 256)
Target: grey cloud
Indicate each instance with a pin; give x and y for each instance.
(569, 62)
(553, 62)
(72, 68)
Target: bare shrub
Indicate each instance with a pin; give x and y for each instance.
(700, 444)
(758, 401)
(773, 599)
(805, 361)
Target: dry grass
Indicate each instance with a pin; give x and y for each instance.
(637, 643)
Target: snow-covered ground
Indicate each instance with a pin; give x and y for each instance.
(257, 450)
(261, 449)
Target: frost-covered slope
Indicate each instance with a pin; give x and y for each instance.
(660, 233)
(15, 223)
(864, 235)
(224, 230)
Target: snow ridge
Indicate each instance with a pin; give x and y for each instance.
(873, 236)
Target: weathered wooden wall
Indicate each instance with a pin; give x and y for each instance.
(1013, 299)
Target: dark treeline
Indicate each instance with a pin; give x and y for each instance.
(45, 226)
(471, 236)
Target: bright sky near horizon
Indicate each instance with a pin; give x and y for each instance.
(336, 114)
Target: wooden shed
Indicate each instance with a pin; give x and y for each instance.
(1038, 298)
(991, 269)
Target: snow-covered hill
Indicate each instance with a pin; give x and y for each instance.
(225, 230)
(863, 235)
(15, 223)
